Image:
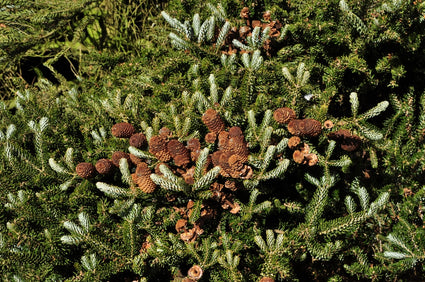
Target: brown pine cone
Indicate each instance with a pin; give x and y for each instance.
(236, 163)
(223, 140)
(143, 169)
(235, 131)
(145, 184)
(178, 152)
(213, 121)
(104, 166)
(85, 170)
(293, 142)
(328, 124)
(311, 159)
(165, 132)
(284, 115)
(195, 148)
(238, 146)
(298, 157)
(195, 272)
(210, 137)
(158, 147)
(118, 155)
(135, 160)
(305, 127)
(245, 13)
(123, 130)
(138, 140)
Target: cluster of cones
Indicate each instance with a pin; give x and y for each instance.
(232, 153)
(299, 128)
(306, 128)
(190, 234)
(246, 30)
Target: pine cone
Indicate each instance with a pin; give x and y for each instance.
(143, 170)
(195, 272)
(245, 13)
(220, 158)
(236, 162)
(284, 115)
(85, 170)
(195, 148)
(118, 155)
(138, 140)
(178, 152)
(158, 147)
(146, 184)
(181, 225)
(135, 160)
(213, 121)
(298, 157)
(293, 142)
(305, 127)
(188, 175)
(238, 146)
(223, 140)
(267, 16)
(244, 31)
(104, 166)
(235, 131)
(210, 137)
(328, 124)
(311, 159)
(165, 132)
(142, 178)
(123, 130)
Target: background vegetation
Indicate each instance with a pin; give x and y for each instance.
(69, 71)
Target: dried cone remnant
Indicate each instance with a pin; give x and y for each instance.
(195, 272)
(245, 13)
(142, 178)
(328, 124)
(85, 170)
(158, 147)
(104, 166)
(181, 225)
(188, 175)
(123, 130)
(293, 142)
(298, 157)
(267, 16)
(213, 121)
(118, 155)
(311, 159)
(138, 140)
(178, 152)
(195, 148)
(305, 127)
(284, 115)
(349, 142)
(302, 156)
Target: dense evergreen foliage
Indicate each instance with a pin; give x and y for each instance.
(237, 141)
